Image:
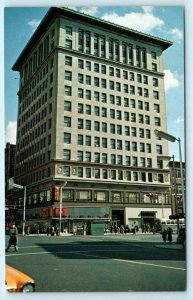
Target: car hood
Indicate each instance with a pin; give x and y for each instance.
(15, 279)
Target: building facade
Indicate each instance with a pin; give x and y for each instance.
(91, 95)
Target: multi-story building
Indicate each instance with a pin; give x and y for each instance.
(91, 95)
(176, 184)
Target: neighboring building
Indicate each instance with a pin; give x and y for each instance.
(9, 164)
(91, 95)
(176, 183)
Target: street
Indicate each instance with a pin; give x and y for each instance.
(110, 263)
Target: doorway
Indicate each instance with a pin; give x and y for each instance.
(118, 217)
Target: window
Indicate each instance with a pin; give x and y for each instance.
(68, 30)
(128, 175)
(134, 161)
(140, 104)
(97, 173)
(160, 178)
(140, 119)
(104, 112)
(111, 71)
(112, 128)
(148, 148)
(119, 129)
(145, 79)
(139, 91)
(112, 99)
(87, 156)
(138, 58)
(153, 55)
(125, 74)
(68, 60)
(96, 67)
(141, 132)
(142, 147)
(154, 67)
(80, 108)
(146, 106)
(80, 172)
(118, 73)
(104, 142)
(88, 109)
(156, 95)
(119, 144)
(157, 121)
(133, 117)
(88, 125)
(96, 44)
(102, 45)
(80, 139)
(104, 97)
(119, 159)
(133, 131)
(142, 161)
(131, 76)
(88, 172)
(148, 134)
(155, 81)
(112, 143)
(87, 42)
(116, 50)
(80, 124)
(126, 116)
(104, 158)
(127, 131)
(158, 149)
(132, 89)
(96, 96)
(66, 154)
(97, 141)
(105, 175)
(138, 77)
(80, 78)
(135, 176)
(127, 145)
(68, 75)
(147, 120)
(88, 79)
(67, 105)
(127, 160)
(88, 65)
(80, 39)
(67, 122)
(97, 126)
(143, 176)
(132, 103)
(134, 146)
(113, 159)
(160, 164)
(96, 81)
(68, 44)
(103, 83)
(126, 102)
(118, 115)
(156, 108)
(113, 174)
(68, 90)
(88, 140)
(97, 157)
(80, 93)
(88, 94)
(96, 111)
(80, 156)
(67, 138)
(81, 64)
(111, 85)
(146, 93)
(124, 52)
(130, 50)
(125, 88)
(104, 127)
(149, 162)
(120, 175)
(112, 113)
(103, 69)
(66, 171)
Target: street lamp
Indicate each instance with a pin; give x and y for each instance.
(60, 223)
(172, 139)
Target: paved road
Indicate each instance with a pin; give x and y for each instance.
(107, 264)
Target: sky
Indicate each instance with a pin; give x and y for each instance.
(162, 21)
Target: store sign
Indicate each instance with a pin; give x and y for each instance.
(64, 212)
(45, 212)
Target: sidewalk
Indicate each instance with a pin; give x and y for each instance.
(172, 246)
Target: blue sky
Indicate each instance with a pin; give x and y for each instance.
(163, 21)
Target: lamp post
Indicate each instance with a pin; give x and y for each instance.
(172, 139)
(60, 223)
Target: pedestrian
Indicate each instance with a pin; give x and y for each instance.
(164, 235)
(169, 234)
(13, 240)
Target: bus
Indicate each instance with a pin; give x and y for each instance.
(165, 223)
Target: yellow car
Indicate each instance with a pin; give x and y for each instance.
(17, 281)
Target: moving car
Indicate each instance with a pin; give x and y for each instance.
(17, 281)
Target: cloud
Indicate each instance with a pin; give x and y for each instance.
(179, 120)
(34, 24)
(148, 9)
(10, 134)
(92, 10)
(139, 21)
(176, 34)
(170, 80)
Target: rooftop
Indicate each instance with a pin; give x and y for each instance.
(54, 12)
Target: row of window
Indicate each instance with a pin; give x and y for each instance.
(97, 173)
(110, 48)
(113, 159)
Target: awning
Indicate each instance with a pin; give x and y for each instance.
(148, 213)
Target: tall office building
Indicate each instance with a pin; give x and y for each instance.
(91, 95)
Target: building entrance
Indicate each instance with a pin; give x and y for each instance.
(118, 217)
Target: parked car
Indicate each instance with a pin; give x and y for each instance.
(17, 281)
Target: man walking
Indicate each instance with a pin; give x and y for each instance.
(13, 240)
